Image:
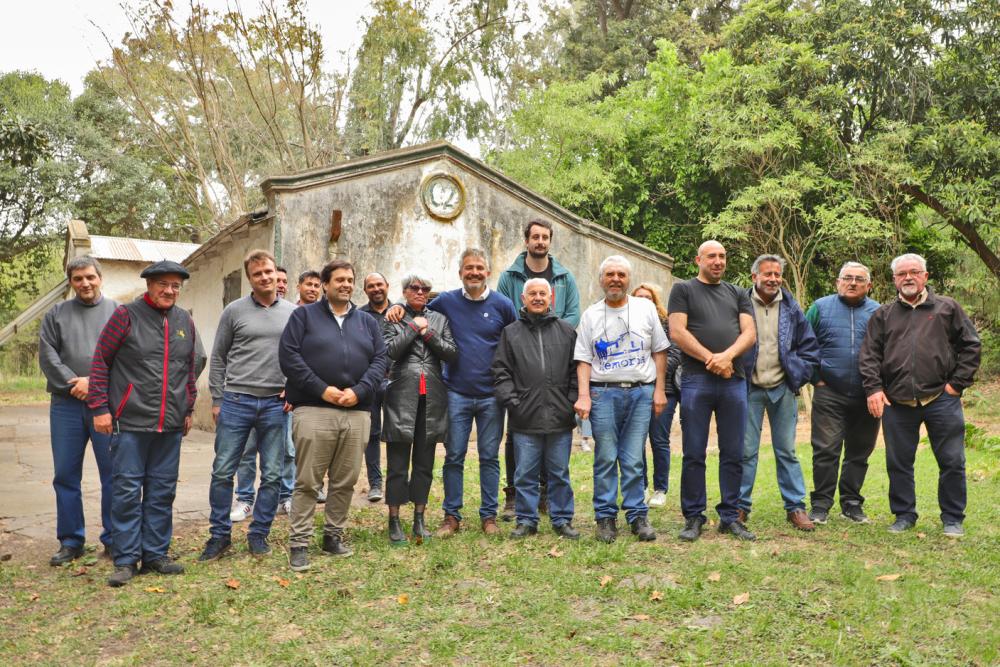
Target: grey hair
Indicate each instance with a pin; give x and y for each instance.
(85, 262)
(768, 258)
(909, 257)
(856, 265)
(535, 281)
(473, 252)
(614, 260)
(411, 278)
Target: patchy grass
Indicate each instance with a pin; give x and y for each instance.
(22, 389)
(809, 598)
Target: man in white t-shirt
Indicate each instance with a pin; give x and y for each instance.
(622, 361)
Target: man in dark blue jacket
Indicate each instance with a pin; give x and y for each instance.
(334, 359)
(779, 363)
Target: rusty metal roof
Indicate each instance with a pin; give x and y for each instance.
(139, 250)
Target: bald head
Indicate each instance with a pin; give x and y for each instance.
(711, 261)
(711, 243)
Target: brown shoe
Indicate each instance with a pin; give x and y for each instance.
(743, 516)
(800, 520)
(448, 527)
(490, 526)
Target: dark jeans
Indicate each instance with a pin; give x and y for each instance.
(945, 424)
(144, 473)
(659, 442)
(416, 458)
(71, 425)
(510, 463)
(532, 450)
(373, 451)
(840, 423)
(704, 394)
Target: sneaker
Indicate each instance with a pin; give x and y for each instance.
(241, 511)
(800, 520)
(607, 530)
(641, 529)
(586, 444)
(692, 528)
(66, 555)
(321, 497)
(122, 575)
(567, 531)
(819, 516)
(737, 530)
(509, 509)
(854, 513)
(285, 507)
(333, 545)
(448, 527)
(258, 546)
(215, 548)
(298, 559)
(164, 565)
(658, 499)
(490, 526)
(374, 493)
(954, 529)
(901, 525)
(523, 530)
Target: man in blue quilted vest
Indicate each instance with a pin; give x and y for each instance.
(840, 419)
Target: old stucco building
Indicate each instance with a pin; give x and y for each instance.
(413, 209)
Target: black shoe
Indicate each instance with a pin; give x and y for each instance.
(215, 548)
(396, 535)
(420, 531)
(567, 531)
(607, 530)
(509, 508)
(692, 528)
(641, 529)
(738, 530)
(375, 493)
(819, 516)
(66, 555)
(122, 575)
(523, 530)
(258, 546)
(854, 513)
(298, 559)
(333, 545)
(902, 525)
(164, 565)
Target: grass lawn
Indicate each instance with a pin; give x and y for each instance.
(847, 594)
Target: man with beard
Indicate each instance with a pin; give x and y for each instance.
(310, 287)
(622, 363)
(536, 262)
(377, 290)
(712, 322)
(920, 353)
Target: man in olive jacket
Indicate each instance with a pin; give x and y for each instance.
(536, 382)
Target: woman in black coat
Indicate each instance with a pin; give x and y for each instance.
(416, 404)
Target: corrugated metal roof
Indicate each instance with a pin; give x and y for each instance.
(139, 250)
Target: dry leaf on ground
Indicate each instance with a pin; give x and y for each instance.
(888, 577)
(655, 596)
(605, 580)
(232, 583)
(714, 576)
(555, 553)
(282, 582)
(155, 589)
(742, 598)
(403, 598)
(639, 617)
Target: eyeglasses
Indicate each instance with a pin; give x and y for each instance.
(915, 273)
(163, 284)
(854, 279)
(419, 288)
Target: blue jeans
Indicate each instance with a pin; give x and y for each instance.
(489, 426)
(704, 394)
(945, 423)
(783, 415)
(530, 449)
(71, 425)
(659, 442)
(246, 474)
(241, 414)
(620, 420)
(373, 452)
(144, 481)
(584, 426)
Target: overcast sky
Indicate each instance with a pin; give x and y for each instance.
(62, 39)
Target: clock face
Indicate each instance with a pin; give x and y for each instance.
(443, 196)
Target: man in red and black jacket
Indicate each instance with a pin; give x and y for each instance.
(142, 392)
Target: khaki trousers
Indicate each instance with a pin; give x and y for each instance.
(328, 442)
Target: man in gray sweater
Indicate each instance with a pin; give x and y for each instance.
(248, 395)
(65, 346)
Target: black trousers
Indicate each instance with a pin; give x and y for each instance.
(405, 483)
(840, 424)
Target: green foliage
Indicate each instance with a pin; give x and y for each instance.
(978, 438)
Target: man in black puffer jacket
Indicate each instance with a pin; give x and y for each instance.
(536, 382)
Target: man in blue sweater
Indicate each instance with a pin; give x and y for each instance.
(334, 359)
(477, 316)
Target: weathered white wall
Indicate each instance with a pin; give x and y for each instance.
(121, 280)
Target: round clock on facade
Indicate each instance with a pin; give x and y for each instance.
(443, 196)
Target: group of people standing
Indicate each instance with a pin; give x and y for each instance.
(315, 386)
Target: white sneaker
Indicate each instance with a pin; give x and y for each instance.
(285, 507)
(586, 444)
(241, 511)
(658, 499)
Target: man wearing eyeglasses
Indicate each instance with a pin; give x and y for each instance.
(142, 393)
(920, 353)
(840, 419)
